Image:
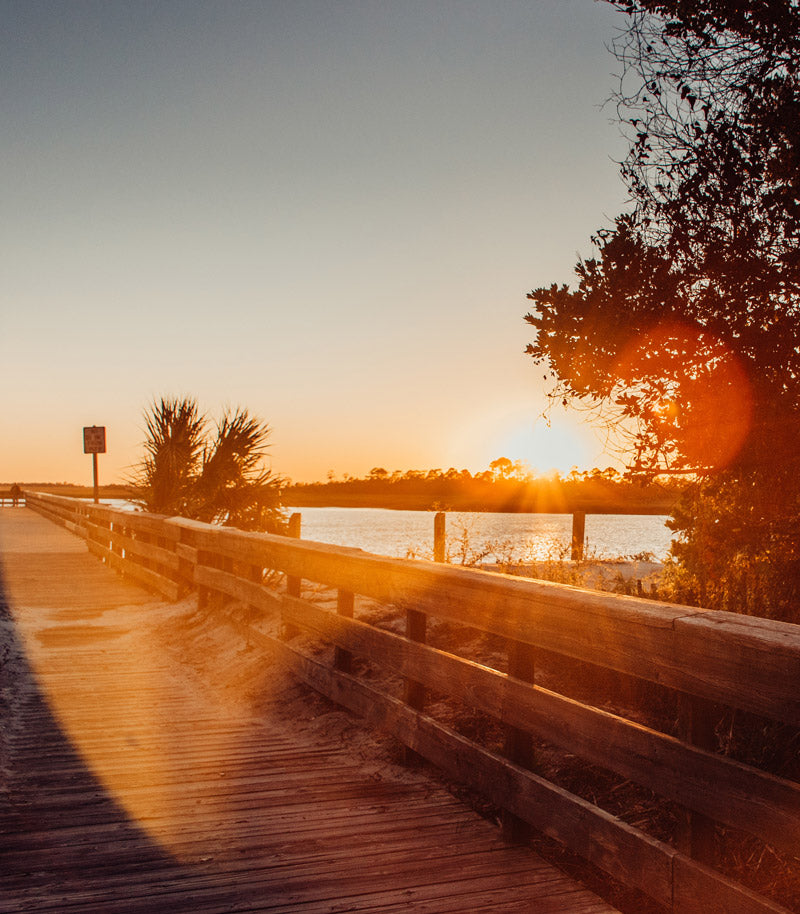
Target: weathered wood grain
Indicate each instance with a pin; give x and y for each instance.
(621, 850)
(138, 548)
(673, 880)
(700, 890)
(736, 794)
(663, 643)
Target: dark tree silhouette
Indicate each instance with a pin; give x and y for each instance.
(685, 324)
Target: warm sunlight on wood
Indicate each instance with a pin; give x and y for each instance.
(133, 747)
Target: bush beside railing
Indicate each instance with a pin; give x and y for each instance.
(708, 658)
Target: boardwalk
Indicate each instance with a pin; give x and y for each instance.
(145, 772)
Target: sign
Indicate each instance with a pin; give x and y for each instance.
(94, 439)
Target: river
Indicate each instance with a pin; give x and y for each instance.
(490, 537)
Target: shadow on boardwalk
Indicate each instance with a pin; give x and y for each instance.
(61, 830)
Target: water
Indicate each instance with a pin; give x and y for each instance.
(502, 537)
(517, 537)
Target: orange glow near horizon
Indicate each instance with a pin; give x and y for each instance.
(518, 430)
(515, 429)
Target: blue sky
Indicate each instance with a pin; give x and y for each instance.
(327, 212)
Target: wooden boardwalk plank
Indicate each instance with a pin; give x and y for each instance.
(145, 770)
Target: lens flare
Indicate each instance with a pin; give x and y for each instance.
(698, 392)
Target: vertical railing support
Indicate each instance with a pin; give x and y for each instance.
(293, 530)
(415, 692)
(293, 582)
(697, 725)
(116, 559)
(187, 560)
(417, 630)
(203, 592)
(578, 535)
(143, 536)
(343, 659)
(439, 537)
(519, 743)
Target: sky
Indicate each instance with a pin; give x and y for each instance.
(329, 213)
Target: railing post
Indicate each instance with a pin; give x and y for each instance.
(439, 536)
(293, 582)
(697, 725)
(293, 530)
(416, 630)
(187, 560)
(343, 659)
(417, 627)
(220, 563)
(203, 592)
(578, 535)
(116, 559)
(415, 692)
(519, 743)
(145, 537)
(98, 534)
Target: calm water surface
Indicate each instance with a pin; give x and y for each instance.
(487, 537)
(518, 537)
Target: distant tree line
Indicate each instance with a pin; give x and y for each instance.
(505, 486)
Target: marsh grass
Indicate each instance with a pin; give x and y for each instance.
(547, 558)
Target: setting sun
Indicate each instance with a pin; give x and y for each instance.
(521, 432)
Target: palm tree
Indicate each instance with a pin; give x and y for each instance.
(173, 446)
(234, 486)
(220, 479)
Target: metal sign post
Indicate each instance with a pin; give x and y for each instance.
(94, 443)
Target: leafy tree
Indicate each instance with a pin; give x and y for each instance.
(214, 474)
(685, 323)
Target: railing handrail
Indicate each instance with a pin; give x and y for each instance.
(743, 661)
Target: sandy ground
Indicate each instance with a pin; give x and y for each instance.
(595, 575)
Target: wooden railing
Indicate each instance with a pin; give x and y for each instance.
(9, 499)
(704, 667)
